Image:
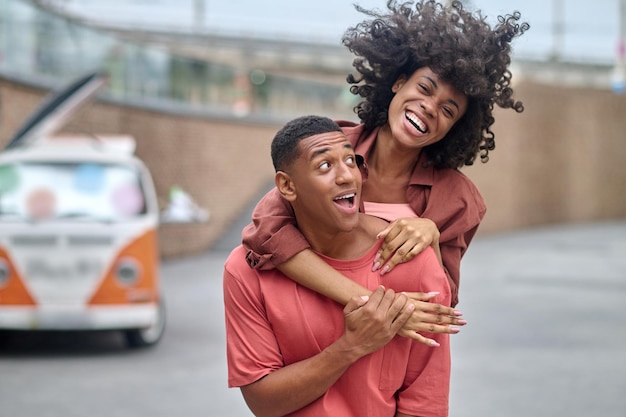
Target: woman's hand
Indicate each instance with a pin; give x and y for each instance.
(431, 318)
(403, 240)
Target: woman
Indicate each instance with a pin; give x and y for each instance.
(429, 77)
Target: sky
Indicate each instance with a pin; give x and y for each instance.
(591, 34)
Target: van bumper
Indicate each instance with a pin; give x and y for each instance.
(78, 317)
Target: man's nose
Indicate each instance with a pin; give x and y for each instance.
(345, 174)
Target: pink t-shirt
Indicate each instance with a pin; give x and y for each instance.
(272, 322)
(388, 211)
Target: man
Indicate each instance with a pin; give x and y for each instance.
(291, 350)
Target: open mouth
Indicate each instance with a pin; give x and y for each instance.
(416, 122)
(345, 200)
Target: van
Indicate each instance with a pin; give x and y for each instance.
(78, 229)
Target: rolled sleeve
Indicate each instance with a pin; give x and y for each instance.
(272, 237)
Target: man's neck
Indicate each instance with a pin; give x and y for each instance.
(347, 245)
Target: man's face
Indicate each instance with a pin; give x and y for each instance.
(326, 184)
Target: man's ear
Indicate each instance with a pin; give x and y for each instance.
(285, 185)
(398, 84)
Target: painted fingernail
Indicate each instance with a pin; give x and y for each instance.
(384, 270)
(365, 297)
(457, 313)
(454, 330)
(376, 266)
(433, 343)
(433, 293)
(462, 322)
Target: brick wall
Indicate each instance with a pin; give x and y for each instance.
(562, 160)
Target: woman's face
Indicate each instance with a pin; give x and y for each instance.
(424, 108)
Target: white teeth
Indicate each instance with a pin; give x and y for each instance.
(345, 197)
(416, 121)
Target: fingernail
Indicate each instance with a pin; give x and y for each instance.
(384, 270)
(376, 266)
(454, 330)
(365, 297)
(378, 236)
(457, 313)
(433, 293)
(462, 322)
(434, 344)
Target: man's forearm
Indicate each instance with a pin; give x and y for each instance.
(295, 386)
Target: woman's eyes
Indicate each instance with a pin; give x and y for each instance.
(426, 90)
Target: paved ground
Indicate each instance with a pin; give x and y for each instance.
(547, 336)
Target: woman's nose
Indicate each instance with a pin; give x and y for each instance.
(428, 105)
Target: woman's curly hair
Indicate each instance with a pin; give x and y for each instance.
(458, 46)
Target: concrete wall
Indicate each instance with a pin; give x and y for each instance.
(562, 160)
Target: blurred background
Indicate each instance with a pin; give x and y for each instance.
(203, 85)
(204, 80)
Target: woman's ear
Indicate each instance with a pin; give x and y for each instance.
(398, 84)
(285, 185)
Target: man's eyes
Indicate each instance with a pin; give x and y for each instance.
(350, 160)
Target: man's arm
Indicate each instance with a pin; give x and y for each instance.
(369, 325)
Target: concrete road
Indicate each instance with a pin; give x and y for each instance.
(546, 337)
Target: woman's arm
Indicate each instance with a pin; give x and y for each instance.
(309, 270)
(272, 241)
(406, 237)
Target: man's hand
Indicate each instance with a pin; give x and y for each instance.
(430, 317)
(371, 322)
(403, 240)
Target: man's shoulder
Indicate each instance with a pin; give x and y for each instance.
(236, 261)
(425, 266)
(372, 225)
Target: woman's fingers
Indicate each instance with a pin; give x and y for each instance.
(403, 240)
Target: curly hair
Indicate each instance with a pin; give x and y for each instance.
(458, 46)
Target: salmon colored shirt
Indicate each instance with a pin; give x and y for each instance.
(272, 322)
(445, 196)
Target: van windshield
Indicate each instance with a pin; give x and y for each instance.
(43, 191)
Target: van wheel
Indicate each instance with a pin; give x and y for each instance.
(138, 338)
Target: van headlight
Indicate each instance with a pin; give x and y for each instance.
(128, 271)
(5, 272)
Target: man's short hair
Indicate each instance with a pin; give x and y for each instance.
(285, 149)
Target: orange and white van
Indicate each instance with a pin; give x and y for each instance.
(78, 230)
